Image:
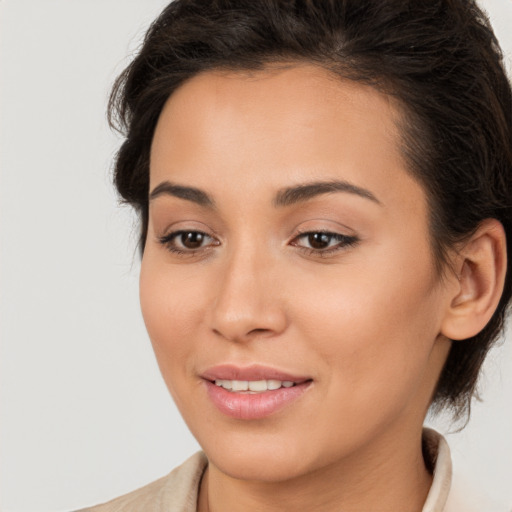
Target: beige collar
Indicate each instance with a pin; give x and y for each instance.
(438, 451)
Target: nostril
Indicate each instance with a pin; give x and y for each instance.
(258, 331)
(252, 334)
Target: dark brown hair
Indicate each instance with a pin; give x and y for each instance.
(439, 58)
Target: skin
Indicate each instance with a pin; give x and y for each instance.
(364, 322)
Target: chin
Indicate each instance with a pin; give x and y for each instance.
(269, 457)
(261, 467)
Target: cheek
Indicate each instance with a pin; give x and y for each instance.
(172, 314)
(371, 324)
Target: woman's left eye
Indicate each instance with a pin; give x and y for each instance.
(323, 242)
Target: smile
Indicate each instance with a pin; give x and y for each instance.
(253, 386)
(252, 393)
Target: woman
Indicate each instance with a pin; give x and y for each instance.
(325, 193)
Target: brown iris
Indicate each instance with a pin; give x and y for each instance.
(192, 239)
(319, 240)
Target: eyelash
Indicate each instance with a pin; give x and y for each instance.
(169, 242)
(343, 242)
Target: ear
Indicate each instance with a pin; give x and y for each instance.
(481, 268)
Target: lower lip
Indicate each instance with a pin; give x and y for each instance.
(253, 406)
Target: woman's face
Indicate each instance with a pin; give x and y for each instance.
(288, 244)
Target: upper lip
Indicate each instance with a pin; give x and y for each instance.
(253, 372)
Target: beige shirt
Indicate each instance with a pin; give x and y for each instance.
(177, 492)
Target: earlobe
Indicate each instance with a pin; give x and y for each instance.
(481, 271)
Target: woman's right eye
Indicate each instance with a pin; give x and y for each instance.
(187, 242)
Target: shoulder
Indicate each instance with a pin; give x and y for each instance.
(175, 492)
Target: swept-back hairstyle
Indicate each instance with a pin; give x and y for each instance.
(438, 58)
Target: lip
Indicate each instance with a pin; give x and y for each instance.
(253, 372)
(249, 406)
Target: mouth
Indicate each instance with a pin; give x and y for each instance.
(254, 386)
(254, 392)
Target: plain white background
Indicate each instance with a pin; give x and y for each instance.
(85, 415)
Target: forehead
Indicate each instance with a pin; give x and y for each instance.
(281, 102)
(281, 124)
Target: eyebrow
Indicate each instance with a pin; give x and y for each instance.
(284, 197)
(306, 191)
(193, 194)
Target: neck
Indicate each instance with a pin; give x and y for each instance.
(388, 476)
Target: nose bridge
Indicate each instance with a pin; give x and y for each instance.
(247, 302)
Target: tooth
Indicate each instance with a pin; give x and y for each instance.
(258, 385)
(240, 385)
(273, 384)
(226, 384)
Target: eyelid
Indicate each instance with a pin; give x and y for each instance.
(176, 233)
(345, 242)
(175, 230)
(334, 234)
(184, 226)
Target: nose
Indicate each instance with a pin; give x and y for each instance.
(248, 302)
